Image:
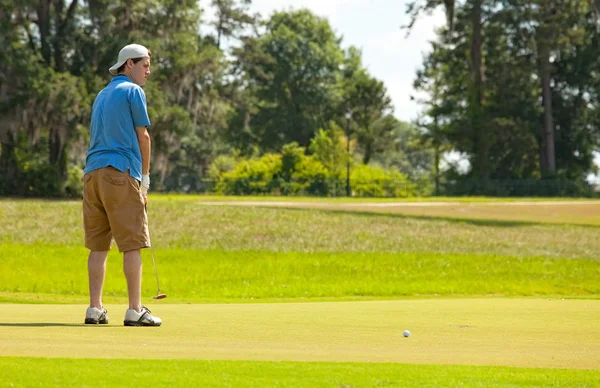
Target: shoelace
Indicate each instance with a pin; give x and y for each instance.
(146, 311)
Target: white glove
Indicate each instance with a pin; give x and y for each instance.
(145, 186)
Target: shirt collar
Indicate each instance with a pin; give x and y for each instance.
(120, 77)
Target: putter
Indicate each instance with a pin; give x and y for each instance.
(158, 294)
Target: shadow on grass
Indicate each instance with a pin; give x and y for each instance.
(455, 220)
(44, 324)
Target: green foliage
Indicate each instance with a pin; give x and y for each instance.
(288, 173)
(288, 77)
(293, 69)
(366, 100)
(292, 172)
(232, 18)
(370, 181)
(407, 150)
(73, 183)
(301, 174)
(255, 176)
(221, 165)
(330, 148)
(512, 93)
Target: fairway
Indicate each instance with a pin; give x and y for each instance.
(494, 332)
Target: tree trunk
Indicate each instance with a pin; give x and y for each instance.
(57, 155)
(63, 23)
(219, 33)
(546, 37)
(369, 143)
(436, 167)
(480, 138)
(43, 14)
(8, 168)
(547, 146)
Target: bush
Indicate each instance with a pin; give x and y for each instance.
(74, 185)
(251, 177)
(288, 173)
(221, 165)
(369, 181)
(301, 174)
(293, 172)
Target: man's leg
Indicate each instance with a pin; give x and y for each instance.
(96, 274)
(132, 266)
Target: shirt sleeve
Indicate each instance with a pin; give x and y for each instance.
(139, 111)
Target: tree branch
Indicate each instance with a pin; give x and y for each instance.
(67, 19)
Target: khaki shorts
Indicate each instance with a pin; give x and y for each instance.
(113, 207)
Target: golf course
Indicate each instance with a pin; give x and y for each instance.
(311, 292)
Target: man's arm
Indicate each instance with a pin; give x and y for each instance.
(145, 146)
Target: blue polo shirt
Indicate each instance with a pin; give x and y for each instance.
(118, 109)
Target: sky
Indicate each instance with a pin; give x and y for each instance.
(374, 26)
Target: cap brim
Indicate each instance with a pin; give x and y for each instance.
(115, 67)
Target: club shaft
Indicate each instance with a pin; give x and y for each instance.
(153, 260)
(155, 271)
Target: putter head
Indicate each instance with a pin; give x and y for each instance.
(160, 296)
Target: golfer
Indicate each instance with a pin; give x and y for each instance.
(116, 183)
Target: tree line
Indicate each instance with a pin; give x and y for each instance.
(513, 84)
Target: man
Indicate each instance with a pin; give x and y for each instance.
(116, 183)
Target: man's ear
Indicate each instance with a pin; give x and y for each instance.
(129, 63)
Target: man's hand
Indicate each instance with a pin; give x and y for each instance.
(145, 186)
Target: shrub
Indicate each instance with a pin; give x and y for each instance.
(301, 174)
(255, 176)
(369, 181)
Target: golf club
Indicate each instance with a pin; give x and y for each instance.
(158, 294)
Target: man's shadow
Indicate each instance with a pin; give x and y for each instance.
(44, 324)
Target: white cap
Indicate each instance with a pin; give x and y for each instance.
(130, 51)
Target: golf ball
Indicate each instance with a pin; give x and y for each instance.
(406, 333)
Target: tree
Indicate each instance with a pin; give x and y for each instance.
(474, 8)
(293, 69)
(550, 30)
(513, 107)
(367, 101)
(232, 17)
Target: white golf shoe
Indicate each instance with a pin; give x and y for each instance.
(143, 318)
(94, 316)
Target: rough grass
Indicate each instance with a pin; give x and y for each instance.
(185, 224)
(43, 372)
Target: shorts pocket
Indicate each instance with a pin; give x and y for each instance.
(134, 182)
(115, 180)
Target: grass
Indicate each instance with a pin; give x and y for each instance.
(503, 332)
(179, 224)
(478, 281)
(190, 275)
(253, 198)
(43, 372)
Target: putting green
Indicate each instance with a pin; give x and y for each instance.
(508, 332)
